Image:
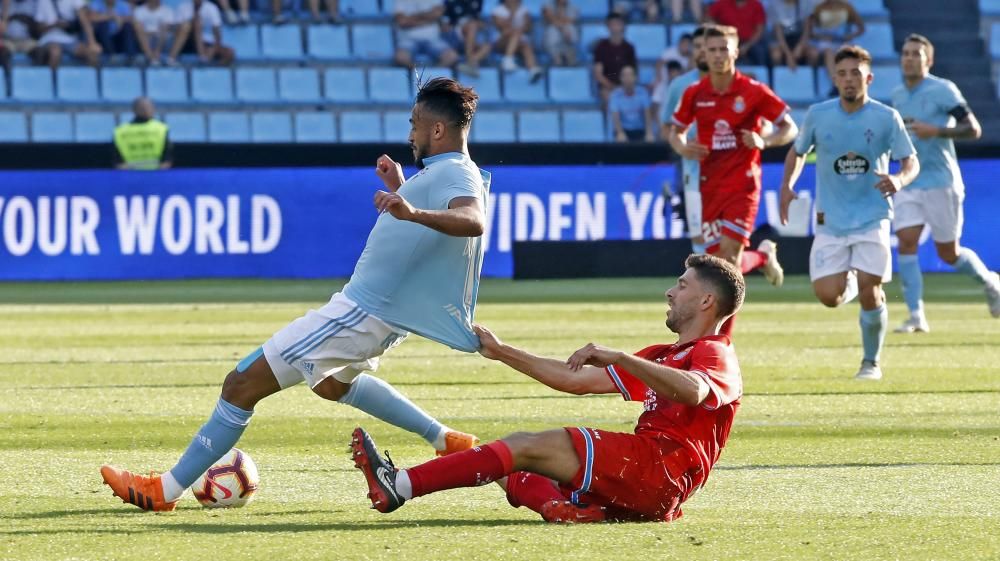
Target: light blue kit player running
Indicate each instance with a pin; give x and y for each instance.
(935, 113)
(854, 137)
(690, 169)
(419, 272)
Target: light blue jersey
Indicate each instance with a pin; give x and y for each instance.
(935, 101)
(631, 109)
(850, 148)
(419, 279)
(675, 91)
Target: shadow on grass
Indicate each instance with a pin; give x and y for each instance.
(776, 467)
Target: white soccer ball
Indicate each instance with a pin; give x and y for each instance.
(232, 482)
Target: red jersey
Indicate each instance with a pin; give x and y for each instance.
(703, 429)
(721, 118)
(746, 18)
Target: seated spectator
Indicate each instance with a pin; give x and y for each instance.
(112, 21)
(199, 32)
(790, 46)
(513, 23)
(232, 18)
(750, 21)
(464, 25)
(64, 25)
(611, 54)
(561, 36)
(681, 52)
(418, 31)
(833, 23)
(144, 143)
(637, 10)
(152, 22)
(631, 109)
(17, 19)
(677, 10)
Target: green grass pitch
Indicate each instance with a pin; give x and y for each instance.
(818, 466)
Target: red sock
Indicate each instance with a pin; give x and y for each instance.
(752, 260)
(477, 466)
(727, 327)
(531, 490)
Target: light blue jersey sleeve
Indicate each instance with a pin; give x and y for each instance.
(900, 145)
(457, 185)
(674, 93)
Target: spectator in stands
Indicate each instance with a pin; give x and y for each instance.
(561, 36)
(679, 55)
(232, 18)
(17, 19)
(112, 21)
(152, 22)
(418, 31)
(637, 10)
(513, 22)
(464, 24)
(671, 70)
(65, 25)
(750, 21)
(143, 143)
(790, 45)
(677, 9)
(199, 32)
(631, 109)
(611, 54)
(833, 23)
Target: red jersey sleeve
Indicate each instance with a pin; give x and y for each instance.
(632, 388)
(716, 363)
(770, 106)
(684, 115)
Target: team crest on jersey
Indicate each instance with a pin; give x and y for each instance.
(739, 104)
(851, 166)
(681, 355)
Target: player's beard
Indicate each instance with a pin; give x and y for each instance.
(702, 66)
(675, 320)
(418, 156)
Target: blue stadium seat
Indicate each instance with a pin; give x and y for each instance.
(887, 78)
(647, 73)
(592, 8)
(328, 42)
(270, 126)
(76, 83)
(360, 126)
(388, 5)
(649, 39)
(758, 73)
(989, 7)
(995, 40)
(517, 87)
(583, 126)
(570, 85)
(256, 85)
(31, 84)
(13, 127)
(228, 126)
(167, 84)
(372, 41)
(427, 74)
(211, 85)
(538, 126)
(121, 84)
(359, 8)
(389, 85)
(51, 127)
(487, 84)
(878, 40)
(244, 39)
(591, 33)
(281, 42)
(678, 30)
(870, 8)
(396, 126)
(298, 85)
(186, 127)
(95, 127)
(345, 85)
(315, 127)
(824, 84)
(795, 87)
(534, 8)
(493, 126)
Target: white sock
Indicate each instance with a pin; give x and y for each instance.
(171, 489)
(403, 486)
(439, 441)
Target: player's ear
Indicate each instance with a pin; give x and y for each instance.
(707, 301)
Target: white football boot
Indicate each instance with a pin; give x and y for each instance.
(868, 371)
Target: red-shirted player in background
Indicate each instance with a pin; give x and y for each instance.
(729, 109)
(690, 393)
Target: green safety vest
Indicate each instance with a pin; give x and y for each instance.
(141, 144)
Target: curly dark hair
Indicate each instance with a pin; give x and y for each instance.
(725, 280)
(449, 100)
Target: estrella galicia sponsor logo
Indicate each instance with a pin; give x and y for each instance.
(851, 166)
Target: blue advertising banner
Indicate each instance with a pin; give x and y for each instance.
(313, 223)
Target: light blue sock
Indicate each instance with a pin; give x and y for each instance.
(214, 439)
(970, 264)
(377, 398)
(913, 282)
(873, 324)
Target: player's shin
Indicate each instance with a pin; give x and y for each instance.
(379, 399)
(873, 327)
(471, 468)
(970, 264)
(213, 440)
(912, 281)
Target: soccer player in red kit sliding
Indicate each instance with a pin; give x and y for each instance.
(728, 109)
(690, 392)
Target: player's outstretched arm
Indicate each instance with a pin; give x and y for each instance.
(680, 386)
(784, 132)
(794, 162)
(463, 218)
(555, 374)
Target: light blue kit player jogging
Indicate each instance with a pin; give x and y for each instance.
(690, 169)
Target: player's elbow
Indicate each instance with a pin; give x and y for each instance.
(476, 228)
(695, 395)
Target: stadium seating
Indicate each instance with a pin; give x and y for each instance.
(487, 85)
(570, 85)
(121, 84)
(583, 126)
(328, 42)
(372, 41)
(396, 125)
(649, 39)
(594, 9)
(271, 126)
(389, 85)
(32, 84)
(228, 126)
(796, 86)
(76, 83)
(870, 8)
(493, 126)
(50, 126)
(211, 85)
(678, 30)
(315, 127)
(995, 40)
(13, 127)
(989, 7)
(245, 41)
(360, 8)
(878, 40)
(167, 84)
(299, 85)
(281, 42)
(591, 33)
(186, 127)
(517, 87)
(345, 85)
(360, 126)
(256, 85)
(758, 73)
(94, 127)
(424, 75)
(538, 126)
(887, 78)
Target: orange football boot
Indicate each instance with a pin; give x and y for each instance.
(145, 492)
(455, 441)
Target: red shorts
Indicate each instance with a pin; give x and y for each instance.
(636, 477)
(728, 212)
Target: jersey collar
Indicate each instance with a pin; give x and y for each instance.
(443, 156)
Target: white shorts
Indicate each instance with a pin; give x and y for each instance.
(868, 252)
(941, 209)
(338, 340)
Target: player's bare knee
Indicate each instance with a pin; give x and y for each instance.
(237, 390)
(522, 445)
(331, 389)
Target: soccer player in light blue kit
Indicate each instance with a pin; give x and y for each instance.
(690, 169)
(854, 137)
(419, 272)
(935, 113)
